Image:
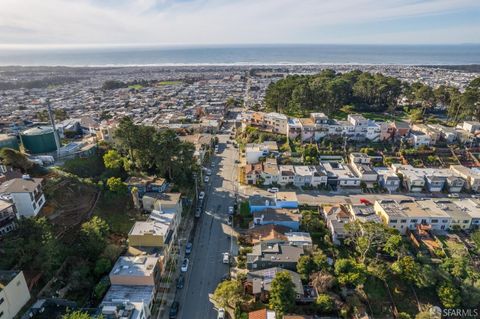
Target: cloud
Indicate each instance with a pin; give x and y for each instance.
(217, 21)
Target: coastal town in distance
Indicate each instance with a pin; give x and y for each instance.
(240, 191)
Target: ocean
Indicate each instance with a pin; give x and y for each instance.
(245, 55)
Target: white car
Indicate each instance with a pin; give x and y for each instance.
(221, 313)
(230, 210)
(209, 172)
(226, 258)
(207, 179)
(273, 190)
(201, 195)
(453, 195)
(185, 263)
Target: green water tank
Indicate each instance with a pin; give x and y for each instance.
(38, 140)
(8, 141)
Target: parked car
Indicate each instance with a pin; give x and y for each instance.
(453, 195)
(225, 277)
(188, 248)
(230, 220)
(237, 162)
(174, 310)
(226, 258)
(273, 190)
(180, 281)
(365, 201)
(230, 210)
(209, 172)
(185, 263)
(201, 196)
(221, 313)
(207, 179)
(198, 212)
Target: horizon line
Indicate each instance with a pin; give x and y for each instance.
(23, 46)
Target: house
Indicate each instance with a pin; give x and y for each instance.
(171, 202)
(337, 217)
(363, 213)
(265, 255)
(7, 217)
(387, 179)
(262, 314)
(294, 128)
(418, 139)
(146, 184)
(286, 175)
(470, 126)
(253, 173)
(278, 216)
(253, 152)
(270, 172)
(286, 199)
(14, 293)
(460, 219)
(407, 214)
(159, 231)
(258, 283)
(26, 193)
(135, 271)
(259, 203)
(299, 239)
(202, 143)
(266, 233)
(472, 177)
(340, 175)
(401, 128)
(276, 122)
(308, 129)
(128, 301)
(434, 179)
(472, 208)
(367, 174)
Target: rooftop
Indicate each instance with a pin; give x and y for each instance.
(20, 185)
(264, 278)
(410, 208)
(6, 276)
(141, 266)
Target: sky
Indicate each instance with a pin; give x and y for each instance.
(47, 23)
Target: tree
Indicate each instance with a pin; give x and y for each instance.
(116, 185)
(282, 293)
(112, 159)
(78, 315)
(349, 272)
(403, 315)
(16, 159)
(367, 237)
(322, 281)
(393, 244)
(324, 303)
(102, 266)
(449, 295)
(407, 268)
(425, 315)
(228, 293)
(92, 238)
(305, 266)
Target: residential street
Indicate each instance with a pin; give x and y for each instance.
(211, 238)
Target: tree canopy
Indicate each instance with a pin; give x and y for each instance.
(228, 293)
(282, 293)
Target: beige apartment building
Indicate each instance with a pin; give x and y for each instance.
(14, 293)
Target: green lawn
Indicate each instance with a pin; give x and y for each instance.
(136, 86)
(169, 83)
(117, 211)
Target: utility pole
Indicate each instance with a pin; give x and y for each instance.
(52, 122)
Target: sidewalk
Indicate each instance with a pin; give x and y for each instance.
(166, 297)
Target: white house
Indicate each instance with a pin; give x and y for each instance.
(26, 193)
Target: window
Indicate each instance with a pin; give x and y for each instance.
(434, 221)
(414, 220)
(403, 221)
(393, 221)
(444, 221)
(465, 221)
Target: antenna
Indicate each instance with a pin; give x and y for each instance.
(52, 121)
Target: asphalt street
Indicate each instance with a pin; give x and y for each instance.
(211, 238)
